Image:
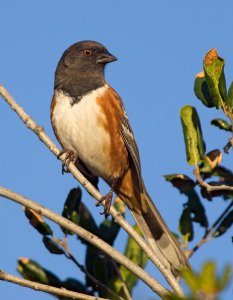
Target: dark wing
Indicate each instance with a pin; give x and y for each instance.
(130, 143)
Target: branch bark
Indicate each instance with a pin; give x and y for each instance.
(31, 124)
(45, 288)
(88, 236)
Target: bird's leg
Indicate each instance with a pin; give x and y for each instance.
(108, 200)
(70, 156)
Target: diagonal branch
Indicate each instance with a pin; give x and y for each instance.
(31, 124)
(88, 236)
(46, 288)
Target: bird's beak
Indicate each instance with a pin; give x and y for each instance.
(106, 58)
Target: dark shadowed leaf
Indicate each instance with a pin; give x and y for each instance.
(38, 222)
(222, 124)
(75, 285)
(214, 74)
(71, 207)
(201, 90)
(196, 208)
(186, 225)
(86, 220)
(109, 228)
(224, 225)
(52, 246)
(194, 143)
(182, 182)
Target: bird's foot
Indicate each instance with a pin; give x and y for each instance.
(108, 201)
(70, 156)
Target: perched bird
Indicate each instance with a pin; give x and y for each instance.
(91, 124)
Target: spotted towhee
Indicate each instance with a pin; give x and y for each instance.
(90, 122)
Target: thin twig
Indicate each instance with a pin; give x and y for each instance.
(46, 288)
(95, 281)
(31, 124)
(211, 188)
(88, 236)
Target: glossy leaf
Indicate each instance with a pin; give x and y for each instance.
(195, 147)
(211, 160)
(38, 222)
(214, 74)
(136, 255)
(224, 225)
(222, 124)
(201, 90)
(186, 225)
(52, 246)
(31, 270)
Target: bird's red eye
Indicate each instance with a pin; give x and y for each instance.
(87, 52)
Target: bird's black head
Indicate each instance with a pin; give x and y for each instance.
(81, 68)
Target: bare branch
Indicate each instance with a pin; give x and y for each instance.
(88, 236)
(31, 124)
(211, 188)
(45, 288)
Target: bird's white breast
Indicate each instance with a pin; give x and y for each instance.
(78, 128)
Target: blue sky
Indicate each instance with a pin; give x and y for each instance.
(160, 47)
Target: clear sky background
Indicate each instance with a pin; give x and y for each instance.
(160, 46)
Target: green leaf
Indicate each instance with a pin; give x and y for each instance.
(71, 207)
(31, 270)
(37, 221)
(186, 225)
(211, 160)
(222, 124)
(136, 255)
(214, 74)
(182, 182)
(52, 246)
(195, 147)
(229, 100)
(224, 225)
(208, 277)
(201, 90)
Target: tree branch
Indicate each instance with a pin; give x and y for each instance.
(88, 236)
(45, 288)
(31, 124)
(211, 188)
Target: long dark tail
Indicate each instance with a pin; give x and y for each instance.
(159, 236)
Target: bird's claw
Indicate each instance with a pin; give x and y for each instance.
(108, 201)
(70, 156)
